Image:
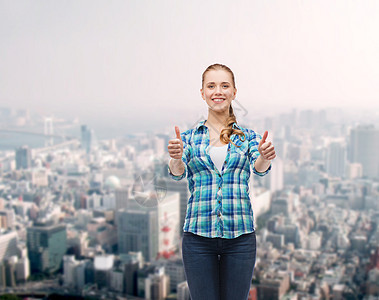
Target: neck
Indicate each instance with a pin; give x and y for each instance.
(217, 120)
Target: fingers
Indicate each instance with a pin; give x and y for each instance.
(177, 131)
(267, 150)
(175, 150)
(175, 146)
(263, 140)
(266, 146)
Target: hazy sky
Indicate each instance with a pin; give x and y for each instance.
(140, 62)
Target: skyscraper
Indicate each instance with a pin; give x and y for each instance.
(8, 244)
(363, 149)
(46, 245)
(336, 159)
(181, 187)
(137, 230)
(167, 222)
(87, 138)
(23, 158)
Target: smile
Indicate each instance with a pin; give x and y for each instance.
(218, 100)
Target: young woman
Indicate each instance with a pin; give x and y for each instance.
(219, 243)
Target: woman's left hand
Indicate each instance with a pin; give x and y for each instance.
(266, 149)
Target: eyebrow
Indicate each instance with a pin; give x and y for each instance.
(221, 82)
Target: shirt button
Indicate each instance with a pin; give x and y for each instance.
(219, 201)
(224, 162)
(219, 187)
(219, 214)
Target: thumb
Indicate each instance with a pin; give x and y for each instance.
(264, 137)
(177, 131)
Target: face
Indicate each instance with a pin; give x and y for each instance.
(218, 90)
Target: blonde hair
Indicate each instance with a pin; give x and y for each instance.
(229, 130)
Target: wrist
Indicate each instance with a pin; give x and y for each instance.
(263, 159)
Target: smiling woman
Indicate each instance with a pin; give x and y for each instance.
(219, 243)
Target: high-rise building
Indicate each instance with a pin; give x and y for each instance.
(69, 266)
(363, 148)
(157, 285)
(10, 271)
(132, 262)
(276, 176)
(138, 231)
(182, 188)
(87, 138)
(168, 211)
(336, 159)
(122, 197)
(6, 219)
(103, 265)
(46, 245)
(8, 244)
(3, 280)
(142, 274)
(175, 270)
(23, 158)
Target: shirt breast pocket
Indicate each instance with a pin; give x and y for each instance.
(239, 155)
(241, 150)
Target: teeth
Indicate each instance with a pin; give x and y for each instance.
(218, 100)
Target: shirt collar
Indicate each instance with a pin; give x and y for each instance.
(201, 123)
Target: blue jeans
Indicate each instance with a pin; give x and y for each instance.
(219, 268)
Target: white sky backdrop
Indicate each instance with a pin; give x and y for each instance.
(139, 63)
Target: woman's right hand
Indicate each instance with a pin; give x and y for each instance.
(175, 146)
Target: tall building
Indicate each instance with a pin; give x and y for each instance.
(157, 285)
(69, 266)
(336, 159)
(122, 197)
(8, 244)
(10, 271)
(276, 176)
(46, 245)
(175, 270)
(132, 262)
(363, 148)
(137, 230)
(23, 158)
(168, 214)
(103, 265)
(87, 138)
(182, 188)
(7, 219)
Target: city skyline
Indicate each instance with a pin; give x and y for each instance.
(120, 215)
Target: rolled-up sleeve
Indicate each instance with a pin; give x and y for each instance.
(254, 138)
(185, 158)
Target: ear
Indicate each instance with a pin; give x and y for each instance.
(235, 93)
(202, 95)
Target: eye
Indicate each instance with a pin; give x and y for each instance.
(226, 86)
(210, 86)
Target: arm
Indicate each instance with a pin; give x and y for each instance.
(176, 166)
(261, 164)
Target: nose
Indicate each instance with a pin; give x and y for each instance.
(218, 89)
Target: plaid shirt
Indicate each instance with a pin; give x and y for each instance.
(219, 205)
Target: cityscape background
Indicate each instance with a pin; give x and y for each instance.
(90, 93)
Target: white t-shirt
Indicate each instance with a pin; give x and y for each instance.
(218, 155)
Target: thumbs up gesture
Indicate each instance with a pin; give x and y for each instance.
(266, 149)
(175, 146)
